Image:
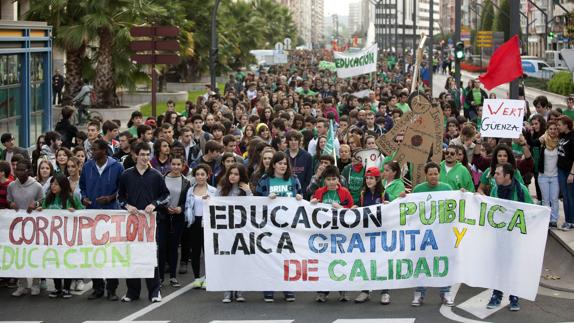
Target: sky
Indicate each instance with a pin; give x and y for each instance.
(340, 7)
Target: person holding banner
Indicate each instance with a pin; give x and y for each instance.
(142, 188)
(61, 197)
(278, 181)
(234, 183)
(25, 193)
(193, 237)
(170, 219)
(394, 186)
(454, 173)
(373, 193)
(338, 197)
(507, 188)
(432, 184)
(99, 184)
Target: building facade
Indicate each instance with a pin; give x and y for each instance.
(25, 74)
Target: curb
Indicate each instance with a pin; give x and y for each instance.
(561, 242)
(558, 287)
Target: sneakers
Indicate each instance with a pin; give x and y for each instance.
(566, 226)
(174, 283)
(66, 294)
(289, 297)
(553, 225)
(385, 298)
(239, 297)
(494, 302)
(55, 294)
(343, 297)
(417, 299)
(447, 299)
(35, 290)
(204, 284)
(514, 306)
(20, 291)
(226, 297)
(127, 299)
(321, 298)
(198, 282)
(157, 298)
(362, 297)
(268, 299)
(112, 297)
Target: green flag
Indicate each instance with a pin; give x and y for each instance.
(330, 146)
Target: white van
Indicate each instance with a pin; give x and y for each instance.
(535, 67)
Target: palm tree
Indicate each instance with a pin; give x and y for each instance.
(69, 34)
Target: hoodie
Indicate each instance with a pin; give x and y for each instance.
(24, 194)
(302, 167)
(94, 185)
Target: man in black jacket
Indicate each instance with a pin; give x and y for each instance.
(142, 188)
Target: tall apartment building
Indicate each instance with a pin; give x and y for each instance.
(317, 23)
(355, 17)
(308, 17)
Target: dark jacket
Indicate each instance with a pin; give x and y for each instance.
(162, 213)
(17, 150)
(141, 190)
(302, 167)
(68, 131)
(566, 151)
(94, 185)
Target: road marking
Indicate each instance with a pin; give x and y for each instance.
(124, 321)
(476, 305)
(154, 306)
(22, 321)
(402, 320)
(253, 321)
(447, 312)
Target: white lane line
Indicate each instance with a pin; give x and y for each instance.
(447, 312)
(401, 320)
(124, 321)
(22, 321)
(476, 305)
(154, 306)
(252, 321)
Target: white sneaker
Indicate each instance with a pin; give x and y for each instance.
(20, 291)
(239, 297)
(385, 298)
(73, 285)
(226, 297)
(321, 298)
(343, 297)
(447, 299)
(362, 297)
(156, 299)
(417, 299)
(35, 290)
(80, 285)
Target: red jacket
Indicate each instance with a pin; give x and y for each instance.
(344, 195)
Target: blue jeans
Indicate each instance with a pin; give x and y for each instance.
(549, 188)
(567, 194)
(423, 290)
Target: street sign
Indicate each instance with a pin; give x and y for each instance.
(148, 31)
(279, 47)
(484, 39)
(147, 45)
(465, 35)
(169, 59)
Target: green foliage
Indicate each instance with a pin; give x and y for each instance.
(180, 105)
(487, 16)
(561, 83)
(502, 23)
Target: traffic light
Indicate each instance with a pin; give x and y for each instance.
(551, 35)
(459, 51)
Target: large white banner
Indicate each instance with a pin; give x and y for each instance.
(352, 64)
(502, 118)
(80, 244)
(426, 239)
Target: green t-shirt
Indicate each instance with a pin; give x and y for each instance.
(477, 96)
(354, 182)
(57, 204)
(424, 187)
(331, 197)
(403, 107)
(569, 113)
(486, 179)
(527, 197)
(458, 177)
(394, 188)
(134, 131)
(281, 187)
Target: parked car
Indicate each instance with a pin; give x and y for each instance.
(535, 67)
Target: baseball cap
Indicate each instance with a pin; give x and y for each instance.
(373, 171)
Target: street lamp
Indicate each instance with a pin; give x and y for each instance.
(213, 53)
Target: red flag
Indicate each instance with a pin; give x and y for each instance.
(505, 65)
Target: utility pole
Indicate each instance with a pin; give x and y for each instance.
(404, 29)
(514, 30)
(396, 20)
(415, 26)
(457, 17)
(431, 35)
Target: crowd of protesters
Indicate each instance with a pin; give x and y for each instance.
(265, 135)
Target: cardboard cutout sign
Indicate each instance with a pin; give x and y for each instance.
(370, 157)
(422, 133)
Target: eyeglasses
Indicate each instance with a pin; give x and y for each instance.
(450, 153)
